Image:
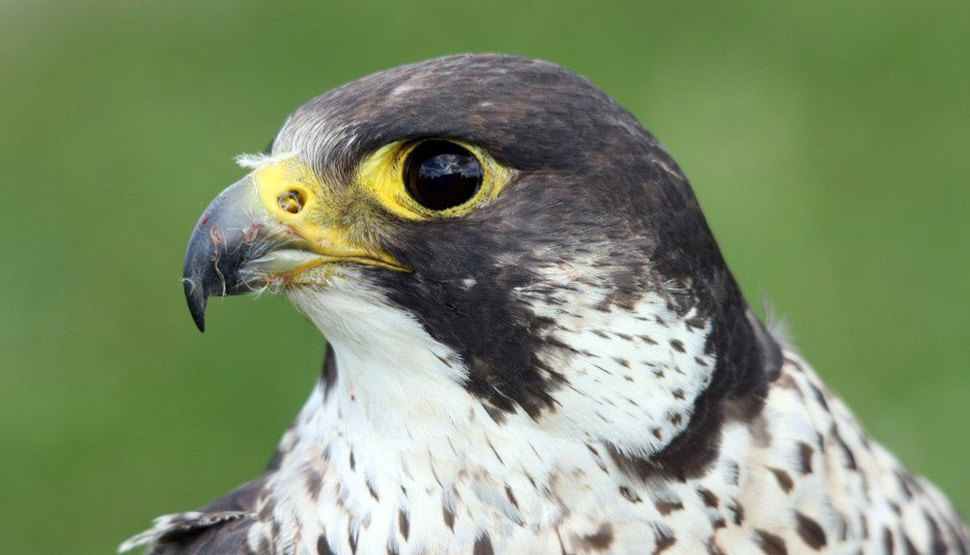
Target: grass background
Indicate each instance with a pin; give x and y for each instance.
(827, 141)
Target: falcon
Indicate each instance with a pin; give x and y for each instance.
(534, 344)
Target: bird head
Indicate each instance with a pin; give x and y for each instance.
(511, 219)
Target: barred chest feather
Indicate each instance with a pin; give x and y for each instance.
(801, 478)
(392, 455)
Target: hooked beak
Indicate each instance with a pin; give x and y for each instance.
(233, 231)
(262, 231)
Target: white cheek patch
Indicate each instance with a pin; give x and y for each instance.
(632, 379)
(633, 372)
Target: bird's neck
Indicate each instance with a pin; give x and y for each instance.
(391, 394)
(391, 425)
(630, 375)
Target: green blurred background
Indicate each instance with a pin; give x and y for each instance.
(829, 143)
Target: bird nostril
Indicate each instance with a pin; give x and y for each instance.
(292, 201)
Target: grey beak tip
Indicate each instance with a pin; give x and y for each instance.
(196, 298)
(221, 243)
(199, 318)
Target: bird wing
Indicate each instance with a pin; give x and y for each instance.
(220, 527)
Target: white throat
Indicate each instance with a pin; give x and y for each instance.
(393, 379)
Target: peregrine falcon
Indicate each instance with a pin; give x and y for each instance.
(534, 343)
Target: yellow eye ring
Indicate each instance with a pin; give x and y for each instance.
(383, 176)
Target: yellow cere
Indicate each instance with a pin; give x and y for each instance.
(382, 176)
(291, 193)
(279, 185)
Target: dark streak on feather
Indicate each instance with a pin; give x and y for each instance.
(810, 531)
(770, 543)
(483, 546)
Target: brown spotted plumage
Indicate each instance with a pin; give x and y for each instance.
(558, 361)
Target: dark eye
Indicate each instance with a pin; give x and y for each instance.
(442, 174)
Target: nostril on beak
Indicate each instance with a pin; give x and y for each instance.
(292, 201)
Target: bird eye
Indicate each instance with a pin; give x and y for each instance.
(441, 174)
